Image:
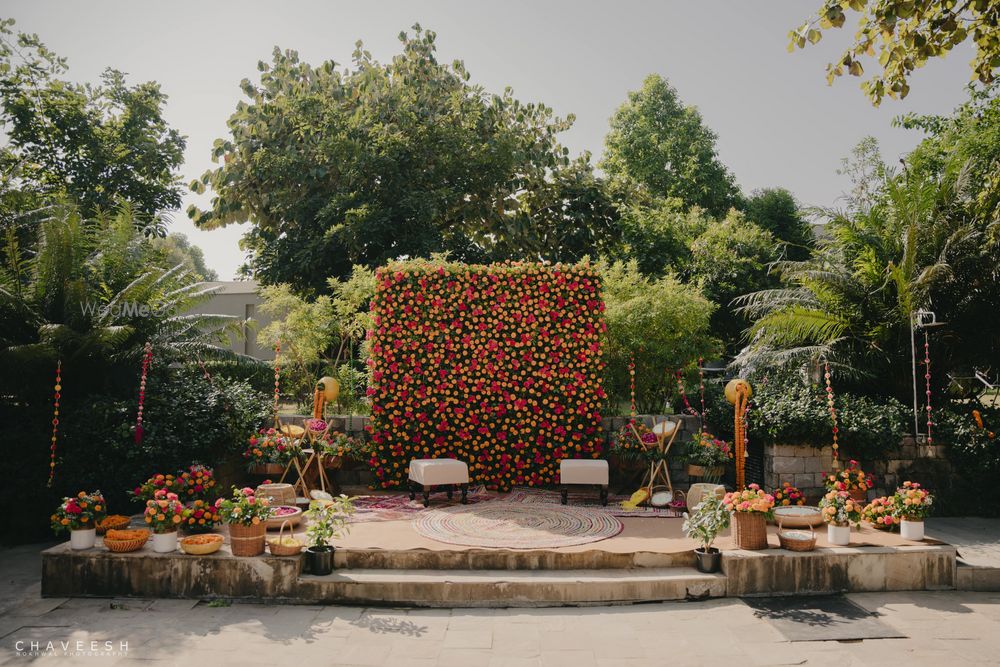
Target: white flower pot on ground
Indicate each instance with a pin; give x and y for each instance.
(838, 535)
(164, 543)
(82, 539)
(911, 529)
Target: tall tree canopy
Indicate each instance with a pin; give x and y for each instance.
(776, 210)
(336, 167)
(904, 35)
(98, 144)
(663, 147)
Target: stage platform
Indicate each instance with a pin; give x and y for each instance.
(388, 563)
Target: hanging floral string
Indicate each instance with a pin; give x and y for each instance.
(147, 358)
(277, 377)
(701, 388)
(680, 388)
(927, 377)
(631, 383)
(55, 422)
(833, 411)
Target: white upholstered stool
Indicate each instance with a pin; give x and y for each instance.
(584, 471)
(425, 473)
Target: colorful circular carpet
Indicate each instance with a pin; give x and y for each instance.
(516, 526)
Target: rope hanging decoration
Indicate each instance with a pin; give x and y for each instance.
(55, 423)
(147, 359)
(631, 384)
(680, 388)
(833, 414)
(277, 378)
(701, 388)
(738, 393)
(927, 377)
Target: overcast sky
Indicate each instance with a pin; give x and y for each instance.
(778, 122)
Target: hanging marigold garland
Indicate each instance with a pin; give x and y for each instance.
(277, 377)
(147, 358)
(833, 412)
(631, 384)
(701, 388)
(927, 378)
(55, 422)
(684, 397)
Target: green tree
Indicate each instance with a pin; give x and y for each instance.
(98, 144)
(732, 258)
(660, 323)
(658, 235)
(664, 148)
(337, 167)
(177, 249)
(775, 210)
(904, 35)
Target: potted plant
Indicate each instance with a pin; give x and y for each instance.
(912, 504)
(164, 514)
(327, 521)
(879, 513)
(80, 516)
(269, 452)
(196, 483)
(839, 511)
(704, 524)
(788, 495)
(200, 516)
(707, 457)
(146, 491)
(852, 479)
(247, 517)
(751, 509)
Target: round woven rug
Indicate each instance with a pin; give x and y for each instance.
(516, 526)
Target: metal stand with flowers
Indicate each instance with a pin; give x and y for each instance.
(840, 510)
(751, 509)
(327, 521)
(912, 504)
(164, 514)
(80, 516)
(247, 517)
(704, 523)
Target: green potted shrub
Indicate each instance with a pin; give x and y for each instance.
(704, 524)
(327, 521)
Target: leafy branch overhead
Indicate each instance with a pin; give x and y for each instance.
(903, 35)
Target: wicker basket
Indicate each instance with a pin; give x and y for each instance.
(277, 548)
(797, 540)
(202, 549)
(750, 530)
(278, 494)
(247, 540)
(113, 522)
(125, 546)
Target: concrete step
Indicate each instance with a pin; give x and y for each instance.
(509, 588)
(977, 578)
(504, 559)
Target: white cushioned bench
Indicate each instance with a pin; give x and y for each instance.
(584, 471)
(427, 473)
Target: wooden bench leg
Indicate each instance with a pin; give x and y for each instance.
(465, 494)
(451, 491)
(564, 495)
(604, 495)
(413, 489)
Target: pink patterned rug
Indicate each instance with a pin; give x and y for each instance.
(398, 506)
(587, 498)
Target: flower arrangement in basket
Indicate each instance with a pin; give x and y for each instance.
(880, 513)
(345, 446)
(196, 483)
(788, 495)
(912, 504)
(200, 516)
(80, 516)
(751, 509)
(708, 451)
(839, 511)
(268, 447)
(247, 517)
(147, 490)
(852, 479)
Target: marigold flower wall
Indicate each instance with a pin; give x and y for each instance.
(499, 366)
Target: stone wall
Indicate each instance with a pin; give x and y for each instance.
(804, 466)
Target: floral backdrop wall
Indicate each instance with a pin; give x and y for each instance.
(496, 365)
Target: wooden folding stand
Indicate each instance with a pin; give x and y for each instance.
(665, 431)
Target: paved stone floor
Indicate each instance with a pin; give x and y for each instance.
(945, 628)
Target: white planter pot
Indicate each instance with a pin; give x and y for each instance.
(83, 539)
(838, 535)
(164, 543)
(911, 530)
